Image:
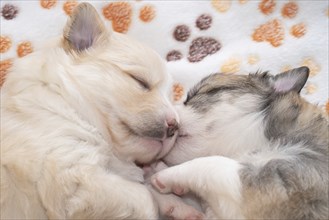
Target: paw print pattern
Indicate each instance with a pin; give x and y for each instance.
(120, 13)
(4, 69)
(311, 88)
(253, 59)
(267, 6)
(243, 1)
(178, 90)
(298, 30)
(24, 49)
(47, 4)
(182, 33)
(174, 55)
(289, 10)
(5, 44)
(203, 22)
(200, 47)
(9, 11)
(68, 6)
(231, 66)
(221, 5)
(273, 31)
(312, 65)
(147, 13)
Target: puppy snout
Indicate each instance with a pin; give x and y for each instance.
(172, 127)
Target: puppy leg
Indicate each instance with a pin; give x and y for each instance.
(98, 194)
(215, 179)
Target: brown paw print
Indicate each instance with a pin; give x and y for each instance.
(200, 47)
(273, 31)
(9, 11)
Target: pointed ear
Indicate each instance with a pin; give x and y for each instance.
(84, 29)
(291, 80)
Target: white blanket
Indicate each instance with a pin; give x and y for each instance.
(197, 37)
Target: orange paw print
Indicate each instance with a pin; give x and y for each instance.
(24, 48)
(267, 6)
(47, 4)
(120, 14)
(69, 5)
(231, 66)
(147, 13)
(221, 5)
(271, 32)
(289, 10)
(298, 30)
(178, 90)
(327, 107)
(4, 69)
(5, 44)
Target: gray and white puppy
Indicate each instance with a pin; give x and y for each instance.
(251, 147)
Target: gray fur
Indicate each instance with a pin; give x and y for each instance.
(292, 186)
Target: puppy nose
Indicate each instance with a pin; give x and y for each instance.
(172, 127)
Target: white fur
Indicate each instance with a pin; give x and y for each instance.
(197, 141)
(232, 129)
(64, 151)
(214, 178)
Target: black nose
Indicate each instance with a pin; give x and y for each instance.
(172, 127)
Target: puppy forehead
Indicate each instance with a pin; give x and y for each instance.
(221, 80)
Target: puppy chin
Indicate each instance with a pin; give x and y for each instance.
(167, 145)
(155, 149)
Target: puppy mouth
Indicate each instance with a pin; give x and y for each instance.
(167, 144)
(182, 134)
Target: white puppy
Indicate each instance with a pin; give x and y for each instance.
(76, 117)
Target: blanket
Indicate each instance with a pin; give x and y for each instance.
(196, 38)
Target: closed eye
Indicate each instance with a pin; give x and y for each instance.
(141, 82)
(212, 91)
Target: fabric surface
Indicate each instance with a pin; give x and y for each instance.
(197, 38)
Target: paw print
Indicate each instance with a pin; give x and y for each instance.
(47, 4)
(5, 65)
(9, 11)
(327, 107)
(200, 47)
(273, 30)
(120, 14)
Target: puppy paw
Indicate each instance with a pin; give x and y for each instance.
(173, 207)
(164, 182)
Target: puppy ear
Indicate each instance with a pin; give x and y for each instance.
(84, 29)
(291, 80)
